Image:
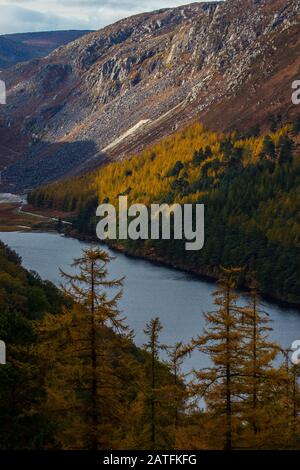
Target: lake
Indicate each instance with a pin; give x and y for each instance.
(149, 290)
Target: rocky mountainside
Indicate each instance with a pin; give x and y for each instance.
(15, 48)
(115, 91)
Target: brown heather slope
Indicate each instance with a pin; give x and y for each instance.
(113, 92)
(15, 48)
(44, 42)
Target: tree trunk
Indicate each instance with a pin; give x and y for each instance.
(228, 436)
(94, 365)
(153, 428)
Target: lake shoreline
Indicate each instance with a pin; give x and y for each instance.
(17, 215)
(199, 274)
(50, 225)
(150, 289)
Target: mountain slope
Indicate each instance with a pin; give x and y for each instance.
(115, 91)
(12, 52)
(15, 48)
(44, 42)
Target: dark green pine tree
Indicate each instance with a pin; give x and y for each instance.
(154, 347)
(269, 148)
(296, 127)
(285, 150)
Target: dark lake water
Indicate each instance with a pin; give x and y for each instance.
(149, 290)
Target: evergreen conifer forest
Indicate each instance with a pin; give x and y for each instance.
(149, 232)
(248, 183)
(74, 379)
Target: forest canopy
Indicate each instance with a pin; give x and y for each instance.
(250, 186)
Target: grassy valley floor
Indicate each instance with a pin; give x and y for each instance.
(15, 217)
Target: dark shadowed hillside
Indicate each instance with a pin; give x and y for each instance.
(46, 41)
(12, 52)
(15, 48)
